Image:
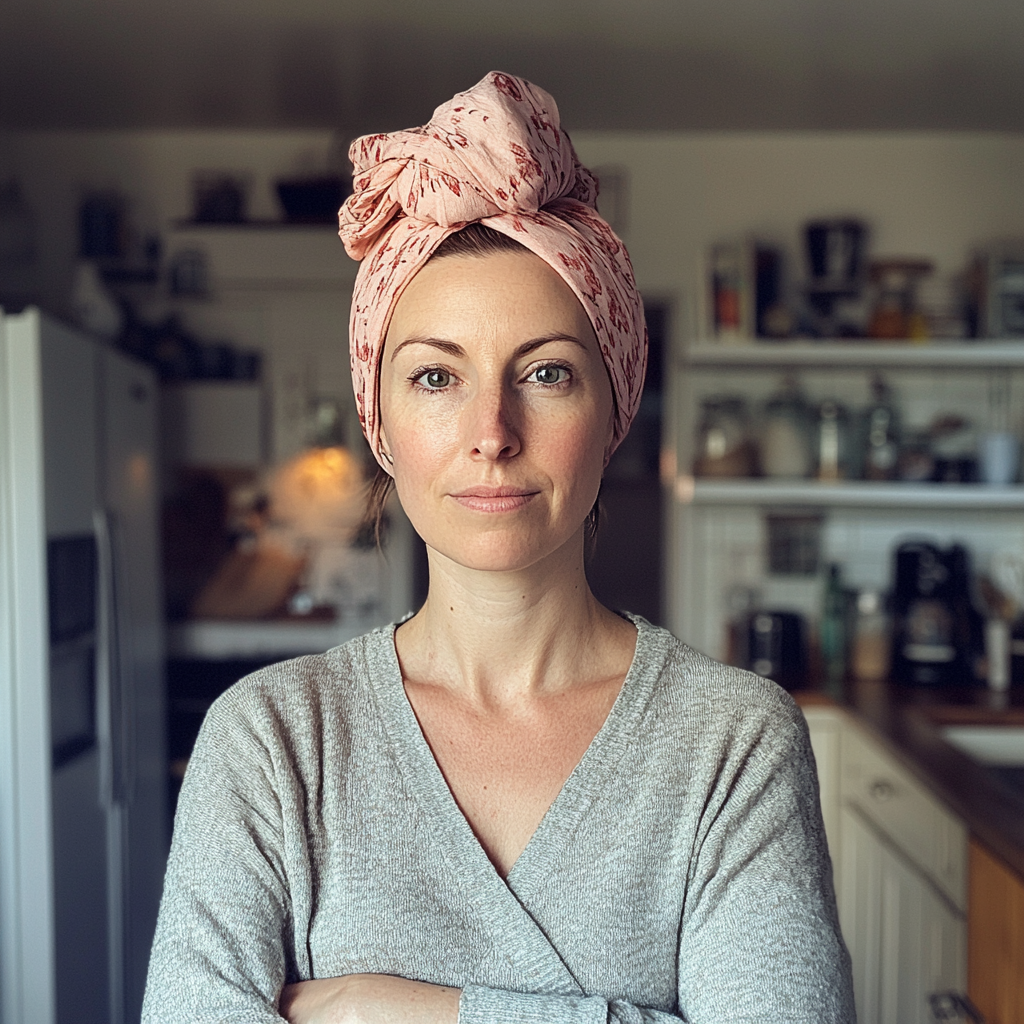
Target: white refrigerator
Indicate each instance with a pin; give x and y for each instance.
(83, 775)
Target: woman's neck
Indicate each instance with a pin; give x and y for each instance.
(497, 637)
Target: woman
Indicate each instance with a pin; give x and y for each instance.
(516, 806)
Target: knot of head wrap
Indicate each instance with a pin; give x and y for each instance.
(495, 154)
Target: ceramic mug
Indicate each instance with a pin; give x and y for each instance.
(999, 456)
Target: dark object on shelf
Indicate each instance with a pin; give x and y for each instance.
(995, 304)
(177, 355)
(1017, 653)
(835, 632)
(313, 200)
(219, 198)
(139, 265)
(938, 634)
(777, 647)
(879, 455)
(835, 270)
(895, 313)
(102, 230)
(189, 274)
(772, 319)
(960, 470)
(794, 543)
(953, 446)
(916, 463)
(835, 255)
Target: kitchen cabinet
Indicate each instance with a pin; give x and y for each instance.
(717, 532)
(900, 868)
(907, 941)
(995, 938)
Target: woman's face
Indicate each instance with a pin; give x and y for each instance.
(496, 409)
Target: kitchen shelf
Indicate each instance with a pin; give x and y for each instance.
(256, 225)
(292, 257)
(936, 354)
(215, 640)
(851, 494)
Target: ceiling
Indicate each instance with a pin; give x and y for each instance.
(612, 64)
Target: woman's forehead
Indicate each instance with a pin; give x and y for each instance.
(505, 296)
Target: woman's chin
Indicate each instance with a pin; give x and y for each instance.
(496, 551)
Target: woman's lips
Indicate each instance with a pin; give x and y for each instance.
(495, 499)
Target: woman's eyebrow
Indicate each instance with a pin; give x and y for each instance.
(448, 347)
(457, 351)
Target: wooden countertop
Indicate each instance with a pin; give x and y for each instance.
(908, 720)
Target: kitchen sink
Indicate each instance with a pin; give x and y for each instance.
(999, 748)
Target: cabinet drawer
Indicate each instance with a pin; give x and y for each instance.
(907, 813)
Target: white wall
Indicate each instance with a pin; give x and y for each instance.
(153, 169)
(925, 194)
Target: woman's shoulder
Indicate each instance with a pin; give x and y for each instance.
(695, 685)
(299, 692)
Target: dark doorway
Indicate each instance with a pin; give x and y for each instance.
(625, 569)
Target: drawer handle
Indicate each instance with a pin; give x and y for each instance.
(954, 1006)
(882, 790)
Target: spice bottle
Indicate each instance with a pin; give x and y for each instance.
(871, 638)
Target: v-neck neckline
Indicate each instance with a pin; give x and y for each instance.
(566, 811)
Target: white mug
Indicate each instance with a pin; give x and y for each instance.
(1000, 454)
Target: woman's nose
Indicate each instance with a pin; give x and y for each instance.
(491, 431)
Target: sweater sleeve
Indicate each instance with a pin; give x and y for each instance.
(224, 919)
(759, 939)
(480, 1005)
(760, 934)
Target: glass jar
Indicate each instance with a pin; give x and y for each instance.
(871, 638)
(724, 446)
(787, 435)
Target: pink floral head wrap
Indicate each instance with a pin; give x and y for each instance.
(494, 154)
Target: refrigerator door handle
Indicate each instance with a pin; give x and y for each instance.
(112, 726)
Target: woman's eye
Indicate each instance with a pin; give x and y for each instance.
(549, 375)
(434, 380)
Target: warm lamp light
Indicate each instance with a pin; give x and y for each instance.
(319, 494)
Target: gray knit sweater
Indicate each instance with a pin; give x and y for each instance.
(681, 873)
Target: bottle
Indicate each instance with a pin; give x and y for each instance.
(834, 632)
(881, 434)
(832, 441)
(870, 655)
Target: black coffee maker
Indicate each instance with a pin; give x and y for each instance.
(776, 647)
(938, 634)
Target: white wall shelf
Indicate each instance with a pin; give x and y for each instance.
(871, 354)
(852, 494)
(291, 257)
(207, 639)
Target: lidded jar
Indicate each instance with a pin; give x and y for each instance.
(787, 450)
(724, 445)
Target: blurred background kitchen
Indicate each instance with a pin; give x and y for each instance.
(824, 203)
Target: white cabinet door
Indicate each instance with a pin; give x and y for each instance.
(825, 725)
(907, 940)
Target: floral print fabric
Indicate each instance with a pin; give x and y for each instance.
(494, 154)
